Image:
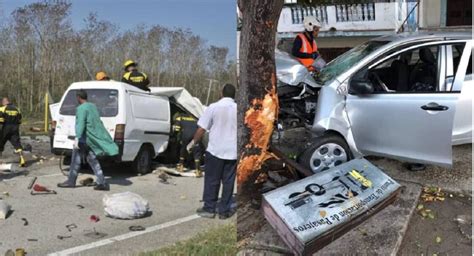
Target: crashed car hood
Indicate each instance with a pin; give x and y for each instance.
(183, 97)
(290, 71)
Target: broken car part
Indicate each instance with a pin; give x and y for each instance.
(25, 221)
(63, 237)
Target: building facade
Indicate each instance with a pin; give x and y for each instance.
(347, 25)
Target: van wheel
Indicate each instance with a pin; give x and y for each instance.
(326, 152)
(66, 160)
(142, 162)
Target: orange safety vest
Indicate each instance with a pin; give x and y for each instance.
(307, 47)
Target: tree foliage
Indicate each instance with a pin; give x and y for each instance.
(41, 51)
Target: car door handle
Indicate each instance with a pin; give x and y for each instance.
(432, 106)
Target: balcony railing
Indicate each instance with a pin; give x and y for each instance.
(299, 12)
(364, 19)
(355, 12)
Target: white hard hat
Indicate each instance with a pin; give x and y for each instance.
(309, 22)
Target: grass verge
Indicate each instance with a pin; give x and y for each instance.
(217, 241)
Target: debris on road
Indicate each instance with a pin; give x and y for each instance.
(80, 206)
(41, 190)
(4, 209)
(164, 177)
(70, 227)
(25, 221)
(32, 182)
(6, 167)
(63, 237)
(136, 228)
(87, 182)
(32, 240)
(126, 205)
(35, 129)
(20, 252)
(94, 218)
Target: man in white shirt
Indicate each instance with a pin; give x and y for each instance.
(220, 120)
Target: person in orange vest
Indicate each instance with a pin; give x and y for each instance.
(305, 48)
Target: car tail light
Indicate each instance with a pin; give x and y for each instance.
(119, 132)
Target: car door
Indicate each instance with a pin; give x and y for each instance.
(460, 65)
(414, 124)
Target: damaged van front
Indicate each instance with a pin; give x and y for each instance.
(391, 97)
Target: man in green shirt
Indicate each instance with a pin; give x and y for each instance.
(91, 138)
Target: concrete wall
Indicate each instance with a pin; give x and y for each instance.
(430, 13)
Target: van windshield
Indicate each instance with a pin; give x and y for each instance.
(345, 61)
(106, 101)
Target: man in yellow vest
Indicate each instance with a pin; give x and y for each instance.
(305, 48)
(133, 77)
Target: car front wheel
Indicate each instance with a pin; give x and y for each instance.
(325, 152)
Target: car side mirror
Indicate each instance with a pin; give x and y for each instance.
(361, 87)
(361, 84)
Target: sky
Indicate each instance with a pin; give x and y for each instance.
(213, 20)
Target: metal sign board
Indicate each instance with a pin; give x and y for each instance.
(306, 210)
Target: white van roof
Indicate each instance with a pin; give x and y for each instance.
(180, 94)
(183, 97)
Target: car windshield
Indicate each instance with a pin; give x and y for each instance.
(347, 60)
(106, 101)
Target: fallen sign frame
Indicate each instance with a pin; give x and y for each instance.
(311, 213)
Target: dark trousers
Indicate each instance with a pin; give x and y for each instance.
(196, 150)
(10, 132)
(218, 171)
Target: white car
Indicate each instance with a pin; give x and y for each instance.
(404, 96)
(138, 121)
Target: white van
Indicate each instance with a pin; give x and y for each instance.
(138, 121)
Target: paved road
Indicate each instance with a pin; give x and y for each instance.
(173, 213)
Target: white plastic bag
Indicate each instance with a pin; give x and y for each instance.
(126, 205)
(4, 209)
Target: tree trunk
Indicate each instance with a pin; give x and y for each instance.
(257, 98)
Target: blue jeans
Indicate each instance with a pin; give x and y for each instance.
(218, 171)
(76, 164)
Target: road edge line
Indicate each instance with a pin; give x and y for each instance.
(122, 237)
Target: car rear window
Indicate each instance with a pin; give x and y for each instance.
(106, 101)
